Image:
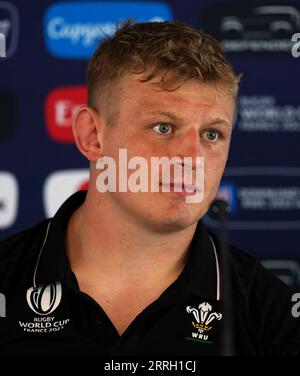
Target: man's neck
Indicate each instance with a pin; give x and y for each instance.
(108, 247)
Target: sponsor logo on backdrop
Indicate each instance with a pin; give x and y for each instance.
(287, 270)
(8, 114)
(9, 29)
(267, 198)
(9, 199)
(60, 185)
(228, 192)
(262, 113)
(84, 186)
(253, 27)
(73, 30)
(60, 106)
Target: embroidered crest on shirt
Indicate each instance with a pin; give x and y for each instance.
(203, 319)
(43, 300)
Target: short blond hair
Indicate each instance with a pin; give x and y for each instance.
(171, 50)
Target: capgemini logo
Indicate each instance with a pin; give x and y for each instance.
(44, 299)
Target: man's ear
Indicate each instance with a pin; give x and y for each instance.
(87, 131)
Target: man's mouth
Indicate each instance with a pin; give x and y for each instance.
(179, 188)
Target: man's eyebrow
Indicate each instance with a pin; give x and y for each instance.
(171, 115)
(219, 120)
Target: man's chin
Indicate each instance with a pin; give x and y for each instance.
(167, 223)
(164, 216)
(175, 226)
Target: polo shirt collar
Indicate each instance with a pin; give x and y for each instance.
(53, 263)
(200, 275)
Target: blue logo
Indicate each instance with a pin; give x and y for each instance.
(228, 192)
(73, 30)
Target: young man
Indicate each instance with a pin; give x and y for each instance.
(133, 271)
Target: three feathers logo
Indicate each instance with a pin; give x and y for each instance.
(203, 316)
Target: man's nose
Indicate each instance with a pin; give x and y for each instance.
(189, 144)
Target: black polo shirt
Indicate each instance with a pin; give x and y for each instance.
(47, 314)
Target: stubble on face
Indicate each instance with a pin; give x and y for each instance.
(196, 102)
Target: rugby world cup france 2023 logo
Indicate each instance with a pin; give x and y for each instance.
(44, 299)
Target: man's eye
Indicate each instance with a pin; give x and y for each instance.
(212, 135)
(162, 128)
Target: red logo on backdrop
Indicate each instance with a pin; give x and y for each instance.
(60, 106)
(84, 186)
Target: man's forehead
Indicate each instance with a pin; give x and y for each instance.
(191, 95)
(133, 84)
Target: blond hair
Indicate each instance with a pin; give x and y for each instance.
(170, 50)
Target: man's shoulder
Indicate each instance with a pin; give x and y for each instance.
(242, 263)
(248, 268)
(19, 240)
(20, 248)
(251, 274)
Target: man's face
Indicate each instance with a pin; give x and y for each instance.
(193, 121)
